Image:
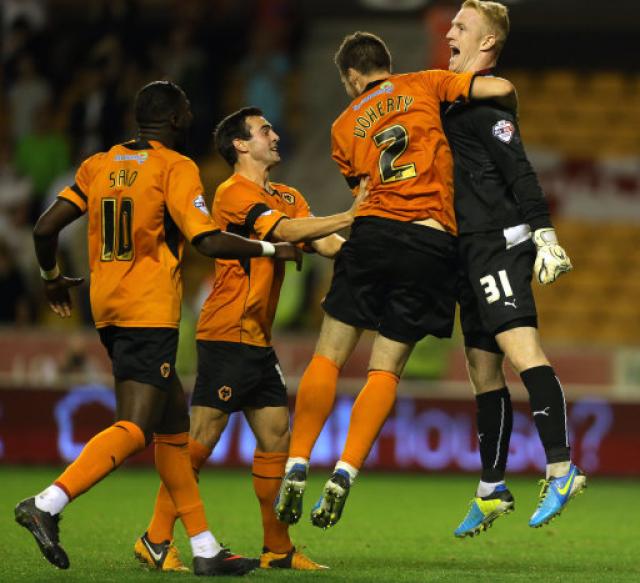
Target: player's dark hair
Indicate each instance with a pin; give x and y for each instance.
(363, 51)
(233, 127)
(157, 102)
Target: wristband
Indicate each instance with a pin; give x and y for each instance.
(268, 249)
(51, 274)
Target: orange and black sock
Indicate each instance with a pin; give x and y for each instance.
(164, 513)
(268, 470)
(102, 454)
(314, 403)
(370, 411)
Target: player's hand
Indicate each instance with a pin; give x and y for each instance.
(363, 193)
(552, 260)
(57, 292)
(289, 252)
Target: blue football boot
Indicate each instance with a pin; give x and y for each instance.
(555, 495)
(484, 510)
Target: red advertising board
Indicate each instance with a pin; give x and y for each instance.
(39, 426)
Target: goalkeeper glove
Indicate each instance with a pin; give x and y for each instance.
(551, 260)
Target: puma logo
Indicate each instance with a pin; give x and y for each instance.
(511, 303)
(544, 412)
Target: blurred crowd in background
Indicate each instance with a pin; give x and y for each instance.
(69, 74)
(70, 71)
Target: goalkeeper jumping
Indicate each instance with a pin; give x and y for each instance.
(505, 237)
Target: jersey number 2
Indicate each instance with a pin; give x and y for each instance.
(117, 242)
(393, 141)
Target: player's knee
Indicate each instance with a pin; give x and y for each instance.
(525, 359)
(485, 378)
(275, 439)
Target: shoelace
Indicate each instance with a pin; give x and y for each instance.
(543, 491)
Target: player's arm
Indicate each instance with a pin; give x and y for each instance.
(498, 130)
(495, 88)
(186, 206)
(450, 87)
(45, 237)
(328, 246)
(312, 228)
(229, 246)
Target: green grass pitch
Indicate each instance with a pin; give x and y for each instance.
(395, 528)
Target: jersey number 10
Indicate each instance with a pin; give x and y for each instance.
(393, 141)
(117, 242)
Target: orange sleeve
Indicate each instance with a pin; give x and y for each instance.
(302, 207)
(302, 211)
(448, 86)
(77, 192)
(185, 200)
(240, 205)
(338, 153)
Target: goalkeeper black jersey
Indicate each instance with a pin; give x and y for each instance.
(494, 184)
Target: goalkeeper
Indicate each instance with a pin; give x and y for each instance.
(505, 237)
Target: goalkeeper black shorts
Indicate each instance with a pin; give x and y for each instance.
(494, 284)
(396, 278)
(233, 376)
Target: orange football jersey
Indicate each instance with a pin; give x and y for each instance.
(393, 133)
(242, 303)
(141, 199)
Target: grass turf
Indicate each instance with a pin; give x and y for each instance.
(395, 528)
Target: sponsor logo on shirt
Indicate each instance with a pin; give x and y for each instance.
(386, 87)
(288, 197)
(201, 204)
(504, 130)
(140, 158)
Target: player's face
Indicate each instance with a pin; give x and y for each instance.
(263, 145)
(465, 37)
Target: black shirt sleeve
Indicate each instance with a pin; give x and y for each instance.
(498, 131)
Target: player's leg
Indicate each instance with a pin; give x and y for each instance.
(546, 398)
(270, 425)
(139, 407)
(218, 366)
(314, 402)
(155, 548)
(414, 297)
(494, 424)
(370, 410)
(174, 465)
(354, 302)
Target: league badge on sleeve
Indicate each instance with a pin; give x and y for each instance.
(504, 130)
(201, 204)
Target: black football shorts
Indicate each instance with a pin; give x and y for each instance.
(234, 376)
(145, 355)
(494, 284)
(396, 278)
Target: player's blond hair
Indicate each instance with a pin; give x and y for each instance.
(496, 16)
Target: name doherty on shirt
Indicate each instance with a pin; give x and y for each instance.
(370, 116)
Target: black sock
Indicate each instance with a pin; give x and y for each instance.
(495, 422)
(549, 410)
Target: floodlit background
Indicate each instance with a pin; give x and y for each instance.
(70, 70)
